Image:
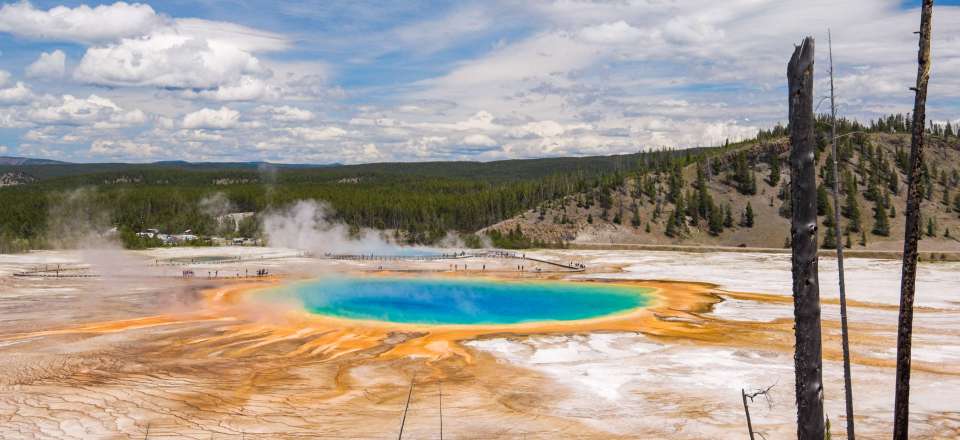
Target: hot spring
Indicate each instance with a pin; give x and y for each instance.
(461, 301)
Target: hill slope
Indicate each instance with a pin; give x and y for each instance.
(641, 209)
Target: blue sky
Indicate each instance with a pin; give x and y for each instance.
(361, 81)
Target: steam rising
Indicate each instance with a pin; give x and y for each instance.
(305, 226)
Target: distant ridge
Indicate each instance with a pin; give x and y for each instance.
(16, 161)
(20, 161)
(251, 164)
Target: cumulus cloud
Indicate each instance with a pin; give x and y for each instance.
(94, 111)
(80, 24)
(15, 94)
(246, 88)
(49, 65)
(4, 149)
(167, 59)
(133, 46)
(219, 119)
(479, 140)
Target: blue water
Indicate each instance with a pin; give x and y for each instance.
(462, 301)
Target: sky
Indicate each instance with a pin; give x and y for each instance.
(330, 81)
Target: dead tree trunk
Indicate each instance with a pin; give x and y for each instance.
(845, 340)
(901, 411)
(746, 410)
(808, 364)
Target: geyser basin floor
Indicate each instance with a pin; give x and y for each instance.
(198, 358)
(462, 301)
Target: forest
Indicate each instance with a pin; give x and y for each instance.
(421, 202)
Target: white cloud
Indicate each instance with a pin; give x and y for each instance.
(94, 111)
(222, 118)
(611, 33)
(286, 113)
(12, 118)
(692, 30)
(80, 24)
(479, 140)
(49, 65)
(15, 94)
(317, 134)
(244, 38)
(123, 148)
(167, 59)
(545, 128)
(4, 149)
(247, 88)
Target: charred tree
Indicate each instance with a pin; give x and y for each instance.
(901, 409)
(746, 410)
(808, 364)
(845, 340)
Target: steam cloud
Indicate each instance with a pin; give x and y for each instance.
(305, 226)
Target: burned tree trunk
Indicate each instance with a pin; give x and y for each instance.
(808, 364)
(901, 410)
(746, 410)
(845, 339)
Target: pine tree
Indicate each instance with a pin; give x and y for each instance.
(863, 238)
(893, 181)
(774, 178)
(716, 222)
(635, 221)
(881, 225)
(704, 202)
(786, 208)
(744, 177)
(590, 218)
(823, 201)
(956, 203)
(748, 216)
(727, 217)
(671, 230)
(647, 229)
(829, 239)
(931, 227)
(693, 208)
(675, 183)
(946, 197)
(852, 210)
(826, 171)
(848, 243)
(873, 193)
(828, 214)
